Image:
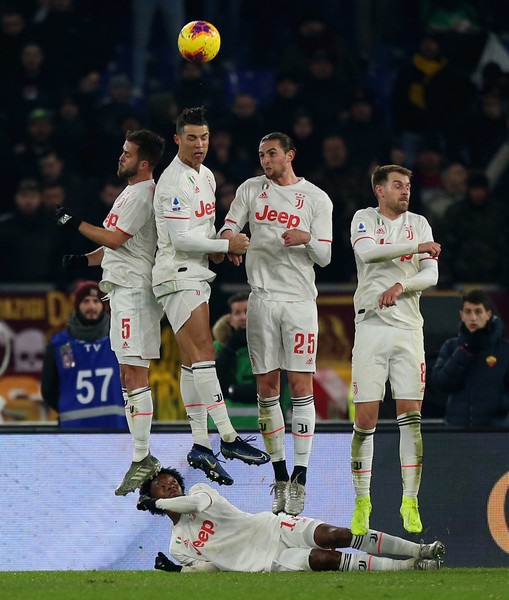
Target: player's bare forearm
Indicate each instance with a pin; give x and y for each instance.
(95, 258)
(295, 237)
(103, 237)
(389, 297)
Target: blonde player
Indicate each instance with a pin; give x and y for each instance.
(290, 220)
(396, 259)
(126, 254)
(184, 206)
(211, 534)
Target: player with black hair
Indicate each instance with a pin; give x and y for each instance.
(184, 205)
(211, 534)
(290, 220)
(127, 243)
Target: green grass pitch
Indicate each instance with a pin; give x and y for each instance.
(447, 584)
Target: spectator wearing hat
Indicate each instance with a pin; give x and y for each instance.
(39, 138)
(80, 376)
(474, 233)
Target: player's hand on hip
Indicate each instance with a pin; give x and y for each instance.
(295, 237)
(238, 244)
(432, 248)
(389, 297)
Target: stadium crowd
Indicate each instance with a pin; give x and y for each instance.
(354, 83)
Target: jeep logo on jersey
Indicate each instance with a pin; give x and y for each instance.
(111, 221)
(269, 214)
(206, 208)
(206, 530)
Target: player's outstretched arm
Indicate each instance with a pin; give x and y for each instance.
(113, 239)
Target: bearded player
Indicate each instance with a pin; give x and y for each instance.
(290, 220)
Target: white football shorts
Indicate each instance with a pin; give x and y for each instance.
(383, 352)
(282, 335)
(135, 330)
(179, 305)
(295, 543)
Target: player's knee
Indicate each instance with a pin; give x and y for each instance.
(324, 560)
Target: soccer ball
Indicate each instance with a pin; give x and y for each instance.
(199, 41)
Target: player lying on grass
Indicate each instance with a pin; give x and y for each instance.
(211, 534)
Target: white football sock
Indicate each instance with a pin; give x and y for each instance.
(366, 562)
(362, 460)
(209, 391)
(127, 407)
(410, 451)
(272, 427)
(141, 410)
(303, 428)
(377, 542)
(195, 409)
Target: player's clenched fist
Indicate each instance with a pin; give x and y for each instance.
(238, 244)
(432, 248)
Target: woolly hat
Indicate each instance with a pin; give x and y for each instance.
(87, 288)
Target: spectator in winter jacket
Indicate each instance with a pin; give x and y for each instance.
(473, 368)
(80, 376)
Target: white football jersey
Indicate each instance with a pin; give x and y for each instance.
(185, 207)
(228, 537)
(133, 213)
(275, 272)
(408, 231)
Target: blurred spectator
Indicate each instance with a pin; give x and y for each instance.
(118, 104)
(73, 44)
(474, 235)
(457, 24)
(347, 188)
(80, 376)
(427, 173)
(278, 114)
(453, 189)
(29, 247)
(72, 128)
(410, 115)
(224, 160)
(473, 368)
(195, 87)
(32, 87)
(53, 170)
(14, 34)
(245, 124)
(307, 140)
(172, 14)
(39, 139)
(367, 136)
(487, 128)
(324, 93)
(99, 198)
(314, 38)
